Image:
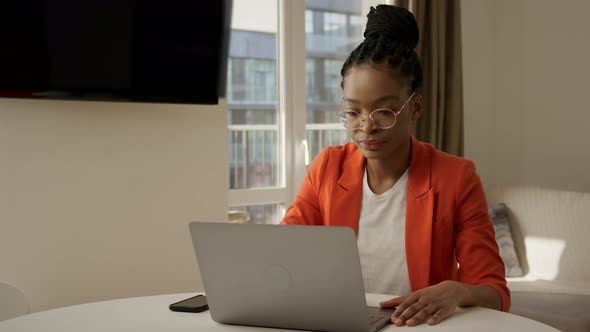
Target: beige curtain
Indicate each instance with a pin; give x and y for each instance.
(439, 50)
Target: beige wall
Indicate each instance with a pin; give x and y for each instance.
(95, 198)
(526, 73)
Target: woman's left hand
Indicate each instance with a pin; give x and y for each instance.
(430, 305)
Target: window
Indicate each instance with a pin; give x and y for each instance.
(310, 81)
(267, 120)
(334, 24)
(327, 49)
(355, 26)
(332, 79)
(254, 118)
(308, 21)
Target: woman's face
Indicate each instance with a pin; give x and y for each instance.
(370, 87)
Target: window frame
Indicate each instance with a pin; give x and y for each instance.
(292, 107)
(290, 63)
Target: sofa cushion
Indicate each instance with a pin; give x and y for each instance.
(550, 230)
(528, 285)
(568, 313)
(499, 215)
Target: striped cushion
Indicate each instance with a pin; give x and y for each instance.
(499, 215)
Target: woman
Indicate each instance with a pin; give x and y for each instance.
(420, 215)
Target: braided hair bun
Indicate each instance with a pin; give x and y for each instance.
(394, 23)
(391, 36)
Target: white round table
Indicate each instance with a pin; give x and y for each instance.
(151, 313)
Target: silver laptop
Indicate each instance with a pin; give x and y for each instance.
(295, 277)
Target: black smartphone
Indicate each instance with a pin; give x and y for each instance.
(194, 304)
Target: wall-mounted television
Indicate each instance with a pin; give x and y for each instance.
(164, 51)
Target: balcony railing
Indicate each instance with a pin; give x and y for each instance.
(253, 156)
(320, 136)
(254, 151)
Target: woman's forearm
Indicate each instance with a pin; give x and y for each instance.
(479, 295)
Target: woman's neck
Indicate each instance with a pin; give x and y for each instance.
(384, 173)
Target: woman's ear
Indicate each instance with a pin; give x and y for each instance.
(417, 107)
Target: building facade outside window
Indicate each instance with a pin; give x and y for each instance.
(332, 30)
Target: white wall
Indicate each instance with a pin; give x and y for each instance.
(525, 77)
(95, 198)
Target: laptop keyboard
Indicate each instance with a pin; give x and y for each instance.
(374, 319)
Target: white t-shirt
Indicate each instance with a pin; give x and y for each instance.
(381, 239)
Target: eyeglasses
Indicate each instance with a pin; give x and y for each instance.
(383, 118)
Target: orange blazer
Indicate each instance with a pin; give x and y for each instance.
(449, 234)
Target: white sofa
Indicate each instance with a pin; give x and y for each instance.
(550, 230)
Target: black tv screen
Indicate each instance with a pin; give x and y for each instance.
(171, 51)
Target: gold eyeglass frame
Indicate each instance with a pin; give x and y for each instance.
(344, 123)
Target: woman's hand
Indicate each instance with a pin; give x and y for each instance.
(430, 305)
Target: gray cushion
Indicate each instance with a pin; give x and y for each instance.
(499, 215)
(568, 313)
